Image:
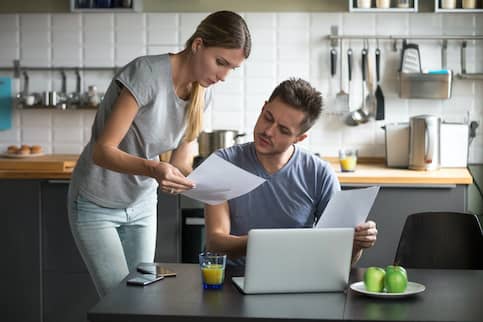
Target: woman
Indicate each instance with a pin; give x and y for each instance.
(153, 105)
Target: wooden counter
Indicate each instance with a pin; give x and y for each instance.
(53, 166)
(369, 171)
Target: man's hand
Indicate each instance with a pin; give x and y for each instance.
(365, 235)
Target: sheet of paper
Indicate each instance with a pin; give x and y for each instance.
(348, 208)
(218, 180)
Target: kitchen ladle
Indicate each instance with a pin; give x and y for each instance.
(361, 115)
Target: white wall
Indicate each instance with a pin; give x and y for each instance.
(284, 45)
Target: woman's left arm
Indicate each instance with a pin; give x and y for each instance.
(182, 157)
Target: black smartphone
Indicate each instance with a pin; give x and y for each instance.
(145, 279)
(155, 269)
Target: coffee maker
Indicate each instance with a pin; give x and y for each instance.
(424, 142)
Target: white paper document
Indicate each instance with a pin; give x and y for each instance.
(348, 208)
(218, 180)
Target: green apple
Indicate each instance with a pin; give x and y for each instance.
(396, 279)
(374, 279)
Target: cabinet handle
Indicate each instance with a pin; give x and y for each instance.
(59, 181)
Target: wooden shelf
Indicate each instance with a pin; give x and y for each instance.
(393, 9)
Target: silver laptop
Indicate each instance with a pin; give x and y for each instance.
(297, 260)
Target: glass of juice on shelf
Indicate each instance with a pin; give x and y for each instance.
(212, 267)
(348, 160)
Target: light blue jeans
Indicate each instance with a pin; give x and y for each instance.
(113, 241)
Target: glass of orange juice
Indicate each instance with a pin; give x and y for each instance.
(348, 160)
(212, 270)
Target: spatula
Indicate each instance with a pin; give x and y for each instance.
(341, 98)
(380, 109)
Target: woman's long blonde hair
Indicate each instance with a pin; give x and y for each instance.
(224, 29)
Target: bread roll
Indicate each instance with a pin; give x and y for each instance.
(35, 149)
(23, 151)
(12, 149)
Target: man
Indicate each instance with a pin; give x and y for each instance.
(299, 184)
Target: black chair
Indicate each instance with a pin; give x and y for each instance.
(441, 240)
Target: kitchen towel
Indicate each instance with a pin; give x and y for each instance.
(5, 103)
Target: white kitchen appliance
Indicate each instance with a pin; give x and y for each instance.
(397, 145)
(424, 142)
(454, 145)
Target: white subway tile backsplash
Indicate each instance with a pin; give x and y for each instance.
(165, 36)
(67, 38)
(35, 22)
(66, 22)
(35, 39)
(70, 148)
(260, 69)
(98, 22)
(189, 22)
(9, 39)
(9, 23)
(157, 21)
(67, 56)
(227, 103)
(260, 20)
(35, 56)
(299, 21)
(392, 24)
(98, 38)
(285, 44)
(264, 37)
(8, 55)
(67, 135)
(130, 22)
(36, 135)
(227, 120)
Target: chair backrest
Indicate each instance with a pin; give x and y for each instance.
(441, 240)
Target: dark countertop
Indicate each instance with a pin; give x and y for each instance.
(450, 295)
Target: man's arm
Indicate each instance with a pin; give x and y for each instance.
(218, 238)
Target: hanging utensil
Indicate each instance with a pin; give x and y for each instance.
(333, 61)
(380, 109)
(341, 98)
(360, 115)
(370, 98)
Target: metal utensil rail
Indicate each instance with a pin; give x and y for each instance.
(334, 38)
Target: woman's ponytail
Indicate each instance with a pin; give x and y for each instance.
(194, 115)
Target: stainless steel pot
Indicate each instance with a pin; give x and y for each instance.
(209, 142)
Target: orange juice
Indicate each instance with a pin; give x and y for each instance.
(212, 274)
(348, 163)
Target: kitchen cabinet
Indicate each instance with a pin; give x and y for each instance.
(394, 203)
(47, 279)
(21, 267)
(68, 291)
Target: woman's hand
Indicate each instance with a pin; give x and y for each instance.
(170, 179)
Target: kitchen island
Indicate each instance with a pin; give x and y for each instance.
(450, 295)
(55, 285)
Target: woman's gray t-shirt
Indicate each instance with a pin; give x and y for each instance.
(159, 126)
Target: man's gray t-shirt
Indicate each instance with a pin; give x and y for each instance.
(290, 198)
(159, 126)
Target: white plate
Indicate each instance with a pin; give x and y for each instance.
(413, 288)
(20, 156)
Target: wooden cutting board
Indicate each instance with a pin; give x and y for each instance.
(51, 162)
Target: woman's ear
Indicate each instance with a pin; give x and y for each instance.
(196, 45)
